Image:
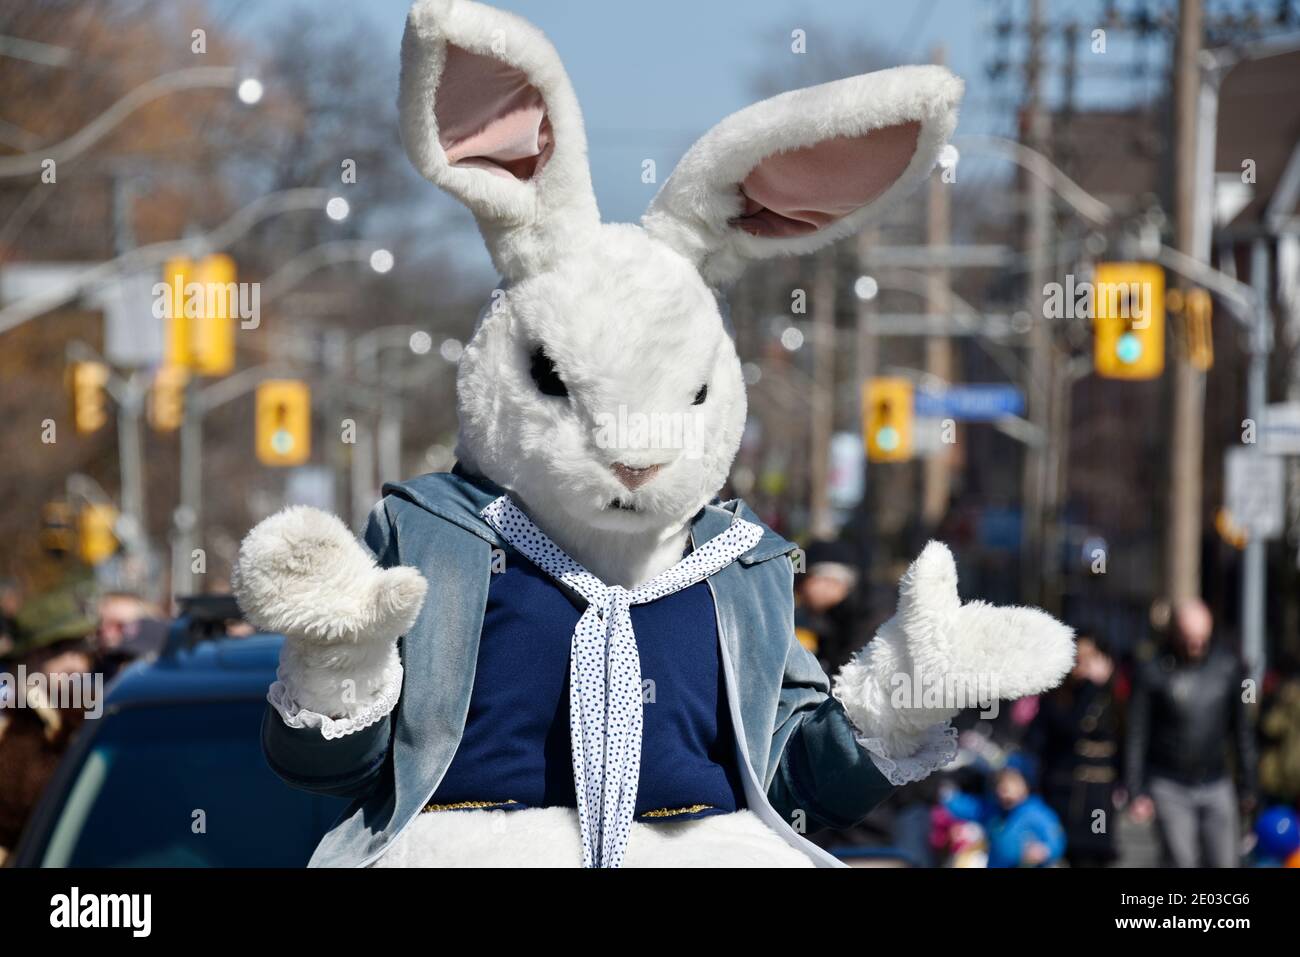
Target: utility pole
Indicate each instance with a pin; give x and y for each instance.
(130, 401)
(1254, 565)
(823, 397)
(866, 359)
(1183, 556)
(867, 341)
(937, 475)
(1037, 135)
(186, 518)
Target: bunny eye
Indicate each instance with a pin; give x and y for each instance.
(701, 395)
(548, 381)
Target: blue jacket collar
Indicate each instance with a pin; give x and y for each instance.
(459, 497)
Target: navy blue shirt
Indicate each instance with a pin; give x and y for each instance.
(515, 750)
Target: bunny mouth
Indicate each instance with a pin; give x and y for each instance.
(622, 506)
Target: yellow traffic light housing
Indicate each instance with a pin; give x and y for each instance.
(201, 319)
(89, 396)
(1129, 320)
(887, 412)
(212, 333)
(177, 274)
(167, 398)
(96, 540)
(1198, 311)
(283, 422)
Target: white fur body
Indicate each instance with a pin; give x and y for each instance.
(549, 837)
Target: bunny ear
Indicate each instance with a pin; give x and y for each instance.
(489, 115)
(794, 172)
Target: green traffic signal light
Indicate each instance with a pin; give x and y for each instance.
(1128, 348)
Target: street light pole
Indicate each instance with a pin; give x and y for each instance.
(193, 78)
(937, 468)
(188, 516)
(130, 446)
(823, 393)
(386, 444)
(155, 254)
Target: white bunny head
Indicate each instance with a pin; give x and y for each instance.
(601, 385)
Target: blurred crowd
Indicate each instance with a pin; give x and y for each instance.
(52, 635)
(1167, 755)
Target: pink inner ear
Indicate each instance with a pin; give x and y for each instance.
(491, 117)
(800, 192)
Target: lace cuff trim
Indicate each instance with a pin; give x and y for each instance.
(934, 749)
(295, 716)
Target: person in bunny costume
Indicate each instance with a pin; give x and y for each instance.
(567, 652)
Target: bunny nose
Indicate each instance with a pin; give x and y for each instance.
(632, 478)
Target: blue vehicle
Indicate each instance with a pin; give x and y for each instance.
(172, 773)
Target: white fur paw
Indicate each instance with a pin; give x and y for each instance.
(1021, 651)
(937, 656)
(302, 573)
(1004, 652)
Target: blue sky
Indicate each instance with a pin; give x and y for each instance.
(652, 77)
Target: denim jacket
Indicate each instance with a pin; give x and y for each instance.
(800, 762)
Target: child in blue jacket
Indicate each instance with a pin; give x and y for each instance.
(1022, 830)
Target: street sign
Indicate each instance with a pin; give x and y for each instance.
(971, 403)
(133, 338)
(845, 483)
(1255, 491)
(1279, 429)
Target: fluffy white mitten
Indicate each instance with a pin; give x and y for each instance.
(937, 656)
(302, 573)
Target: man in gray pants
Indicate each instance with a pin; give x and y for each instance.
(1186, 718)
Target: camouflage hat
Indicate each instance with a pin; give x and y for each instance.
(53, 616)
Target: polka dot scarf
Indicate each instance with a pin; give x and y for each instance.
(605, 671)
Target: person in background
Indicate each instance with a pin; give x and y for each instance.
(1076, 735)
(1279, 732)
(1022, 830)
(11, 601)
(34, 738)
(823, 614)
(126, 629)
(1188, 721)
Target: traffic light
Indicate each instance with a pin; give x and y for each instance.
(887, 413)
(201, 331)
(177, 273)
(167, 398)
(1129, 320)
(212, 333)
(57, 532)
(283, 422)
(1198, 310)
(96, 540)
(89, 398)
